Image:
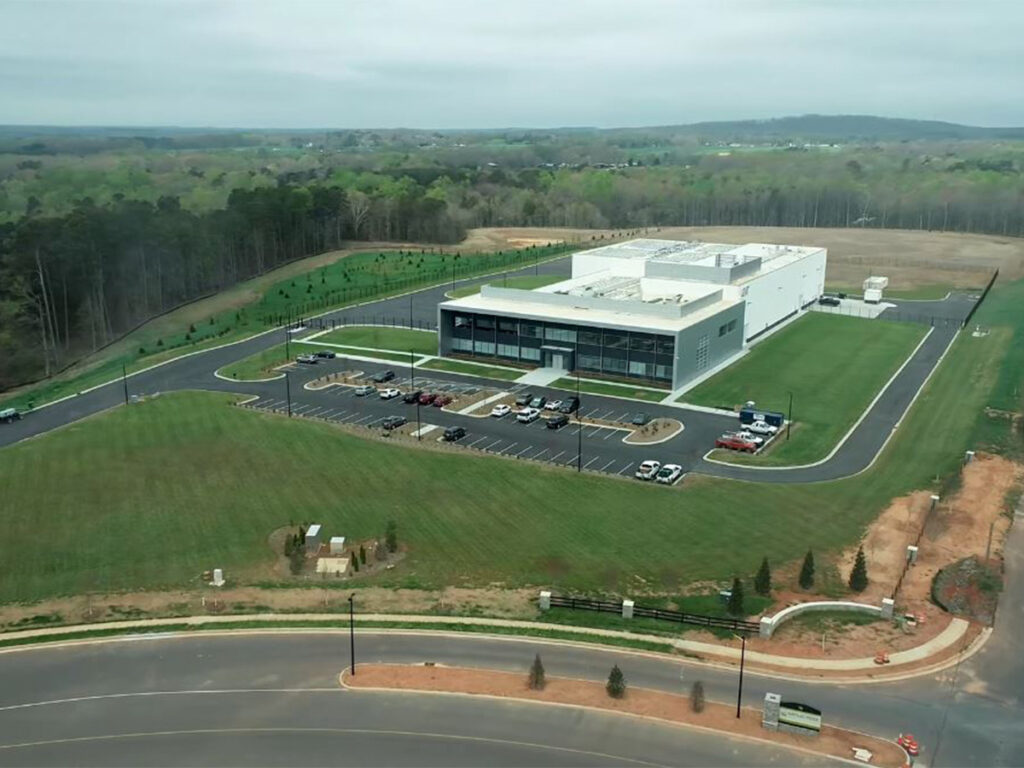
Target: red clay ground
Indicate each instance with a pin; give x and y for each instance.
(637, 701)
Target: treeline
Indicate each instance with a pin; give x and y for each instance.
(73, 283)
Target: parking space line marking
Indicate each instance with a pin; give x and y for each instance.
(524, 450)
(591, 462)
(555, 457)
(508, 448)
(625, 470)
(545, 450)
(298, 408)
(318, 408)
(362, 419)
(623, 416)
(572, 460)
(477, 441)
(587, 414)
(611, 432)
(605, 415)
(607, 465)
(488, 447)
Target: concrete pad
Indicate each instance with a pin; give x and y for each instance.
(542, 377)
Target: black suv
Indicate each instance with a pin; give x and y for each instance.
(571, 405)
(325, 354)
(829, 301)
(383, 376)
(393, 422)
(454, 433)
(523, 398)
(558, 421)
(412, 397)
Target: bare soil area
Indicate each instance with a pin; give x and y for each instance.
(637, 701)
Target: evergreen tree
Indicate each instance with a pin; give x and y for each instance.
(536, 679)
(807, 571)
(616, 685)
(859, 574)
(763, 580)
(355, 563)
(735, 605)
(697, 696)
(362, 555)
(391, 536)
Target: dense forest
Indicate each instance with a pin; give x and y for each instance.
(101, 230)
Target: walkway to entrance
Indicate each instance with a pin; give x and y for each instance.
(541, 377)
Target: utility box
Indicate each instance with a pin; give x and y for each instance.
(750, 415)
(313, 538)
(873, 288)
(337, 545)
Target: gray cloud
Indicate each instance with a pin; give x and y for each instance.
(472, 63)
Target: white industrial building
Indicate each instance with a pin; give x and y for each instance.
(664, 311)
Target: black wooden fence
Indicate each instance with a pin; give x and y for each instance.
(696, 619)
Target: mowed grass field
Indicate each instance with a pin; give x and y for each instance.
(379, 337)
(833, 365)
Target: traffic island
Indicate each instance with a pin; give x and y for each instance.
(637, 702)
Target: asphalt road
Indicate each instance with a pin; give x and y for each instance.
(602, 450)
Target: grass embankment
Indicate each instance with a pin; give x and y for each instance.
(476, 369)
(262, 364)
(400, 340)
(833, 365)
(151, 495)
(523, 282)
(616, 390)
(339, 280)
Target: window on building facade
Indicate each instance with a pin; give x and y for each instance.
(639, 369)
(484, 323)
(531, 330)
(589, 362)
(593, 338)
(508, 326)
(615, 340)
(665, 345)
(560, 334)
(462, 345)
(613, 365)
(483, 347)
(641, 343)
(663, 372)
(463, 321)
(702, 352)
(529, 353)
(508, 350)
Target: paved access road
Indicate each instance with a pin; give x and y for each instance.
(602, 449)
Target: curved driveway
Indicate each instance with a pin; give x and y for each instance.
(603, 451)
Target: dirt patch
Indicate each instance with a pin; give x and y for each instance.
(637, 701)
(969, 588)
(655, 432)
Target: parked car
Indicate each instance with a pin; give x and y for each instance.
(454, 433)
(523, 398)
(389, 392)
(757, 440)
(412, 397)
(7, 415)
(762, 428)
(558, 421)
(829, 301)
(501, 410)
(538, 402)
(668, 474)
(427, 398)
(383, 376)
(647, 469)
(393, 422)
(324, 354)
(527, 415)
(365, 389)
(571, 405)
(552, 405)
(734, 442)
(641, 419)
(307, 359)
(442, 400)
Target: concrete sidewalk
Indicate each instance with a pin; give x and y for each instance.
(945, 640)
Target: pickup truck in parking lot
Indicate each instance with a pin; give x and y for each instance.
(735, 442)
(762, 428)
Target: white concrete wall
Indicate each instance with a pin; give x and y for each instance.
(783, 291)
(770, 623)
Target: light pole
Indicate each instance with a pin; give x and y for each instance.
(288, 392)
(579, 425)
(352, 633)
(739, 692)
(410, 311)
(124, 380)
(412, 376)
(287, 339)
(789, 419)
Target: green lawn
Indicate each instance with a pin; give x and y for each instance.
(262, 364)
(833, 365)
(525, 282)
(379, 337)
(151, 495)
(617, 390)
(477, 369)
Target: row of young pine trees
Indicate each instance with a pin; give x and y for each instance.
(857, 582)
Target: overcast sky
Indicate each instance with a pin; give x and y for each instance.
(482, 63)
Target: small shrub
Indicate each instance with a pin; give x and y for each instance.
(616, 685)
(159, 342)
(142, 350)
(859, 575)
(355, 563)
(391, 536)
(536, 679)
(697, 696)
(735, 605)
(362, 555)
(807, 571)
(763, 579)
(191, 328)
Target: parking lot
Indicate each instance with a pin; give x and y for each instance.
(594, 447)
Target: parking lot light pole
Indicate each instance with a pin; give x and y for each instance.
(789, 419)
(579, 424)
(287, 339)
(124, 380)
(739, 692)
(352, 632)
(412, 388)
(288, 392)
(410, 310)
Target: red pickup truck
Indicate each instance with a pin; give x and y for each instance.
(735, 442)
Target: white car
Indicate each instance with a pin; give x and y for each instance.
(390, 392)
(762, 428)
(747, 435)
(647, 470)
(528, 415)
(552, 405)
(668, 474)
(501, 410)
